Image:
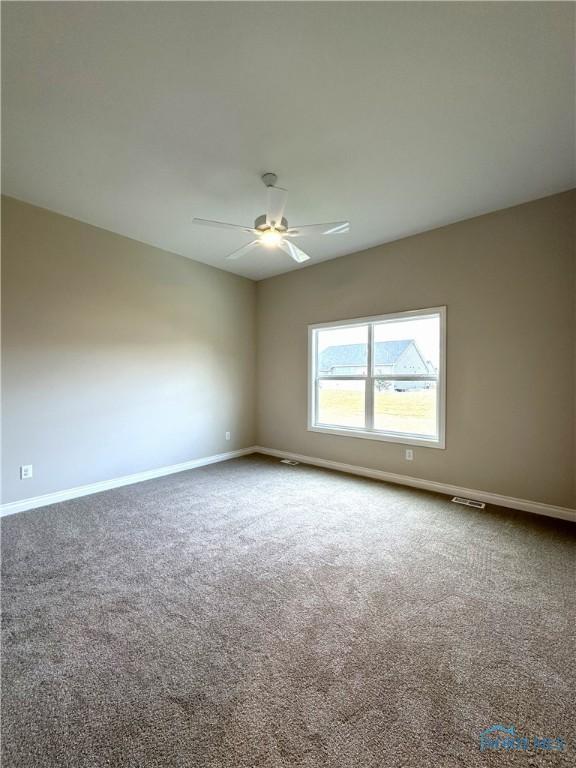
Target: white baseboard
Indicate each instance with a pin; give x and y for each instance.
(538, 508)
(116, 482)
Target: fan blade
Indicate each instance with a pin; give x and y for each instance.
(293, 251)
(222, 225)
(243, 250)
(333, 228)
(276, 204)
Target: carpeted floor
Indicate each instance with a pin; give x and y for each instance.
(255, 615)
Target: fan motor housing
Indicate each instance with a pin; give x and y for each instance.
(262, 225)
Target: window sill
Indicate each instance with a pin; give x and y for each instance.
(385, 437)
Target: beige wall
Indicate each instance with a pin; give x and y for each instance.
(117, 357)
(507, 279)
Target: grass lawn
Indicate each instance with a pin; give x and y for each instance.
(412, 411)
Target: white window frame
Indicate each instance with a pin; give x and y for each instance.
(368, 432)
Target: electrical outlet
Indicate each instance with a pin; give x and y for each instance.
(25, 471)
(409, 454)
(227, 435)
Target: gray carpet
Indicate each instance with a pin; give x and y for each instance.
(254, 615)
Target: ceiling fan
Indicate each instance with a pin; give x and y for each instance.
(271, 228)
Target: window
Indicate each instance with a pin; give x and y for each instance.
(381, 378)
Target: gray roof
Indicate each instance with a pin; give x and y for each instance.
(385, 353)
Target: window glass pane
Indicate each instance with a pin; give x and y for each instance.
(405, 406)
(341, 403)
(407, 346)
(342, 351)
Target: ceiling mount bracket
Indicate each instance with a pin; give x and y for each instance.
(269, 179)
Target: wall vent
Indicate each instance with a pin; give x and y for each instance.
(469, 502)
(289, 461)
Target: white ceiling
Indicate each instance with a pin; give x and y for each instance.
(401, 117)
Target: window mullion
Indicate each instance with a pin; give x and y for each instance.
(369, 386)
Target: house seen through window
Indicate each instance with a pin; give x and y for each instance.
(380, 377)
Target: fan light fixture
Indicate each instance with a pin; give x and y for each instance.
(271, 228)
(271, 238)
